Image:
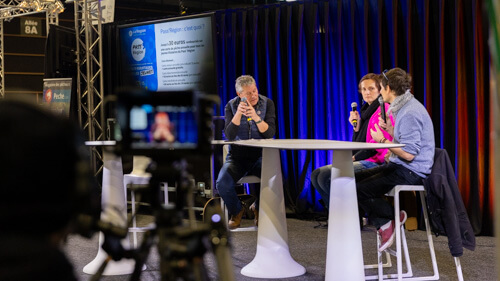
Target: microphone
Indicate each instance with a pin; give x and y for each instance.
(354, 107)
(382, 108)
(244, 99)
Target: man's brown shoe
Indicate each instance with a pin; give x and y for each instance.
(235, 221)
(256, 214)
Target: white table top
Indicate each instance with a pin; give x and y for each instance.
(292, 144)
(100, 143)
(309, 144)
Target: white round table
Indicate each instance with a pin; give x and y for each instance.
(344, 258)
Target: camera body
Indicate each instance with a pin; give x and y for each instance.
(166, 125)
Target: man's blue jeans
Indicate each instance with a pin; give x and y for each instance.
(232, 170)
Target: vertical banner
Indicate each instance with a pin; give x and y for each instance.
(57, 95)
(107, 12)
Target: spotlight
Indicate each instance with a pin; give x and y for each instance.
(6, 14)
(23, 4)
(36, 5)
(57, 8)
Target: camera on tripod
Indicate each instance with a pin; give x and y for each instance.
(169, 127)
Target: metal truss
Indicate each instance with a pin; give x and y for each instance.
(10, 9)
(90, 80)
(51, 18)
(14, 8)
(2, 71)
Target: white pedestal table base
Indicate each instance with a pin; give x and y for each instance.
(272, 259)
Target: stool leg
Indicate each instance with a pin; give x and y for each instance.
(224, 210)
(409, 272)
(134, 223)
(401, 241)
(165, 192)
(459, 269)
(429, 235)
(379, 259)
(397, 228)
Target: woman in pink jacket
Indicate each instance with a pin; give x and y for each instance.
(369, 87)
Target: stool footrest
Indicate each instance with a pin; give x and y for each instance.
(139, 229)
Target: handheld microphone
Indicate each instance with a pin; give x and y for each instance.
(354, 107)
(382, 108)
(244, 99)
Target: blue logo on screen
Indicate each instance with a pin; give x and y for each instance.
(139, 49)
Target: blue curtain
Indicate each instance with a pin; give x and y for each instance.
(309, 56)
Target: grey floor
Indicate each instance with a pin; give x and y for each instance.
(308, 247)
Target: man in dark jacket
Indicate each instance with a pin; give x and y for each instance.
(247, 116)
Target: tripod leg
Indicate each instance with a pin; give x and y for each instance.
(142, 255)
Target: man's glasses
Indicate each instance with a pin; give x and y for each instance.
(383, 73)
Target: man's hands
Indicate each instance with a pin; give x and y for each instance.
(386, 125)
(248, 111)
(244, 109)
(383, 125)
(378, 135)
